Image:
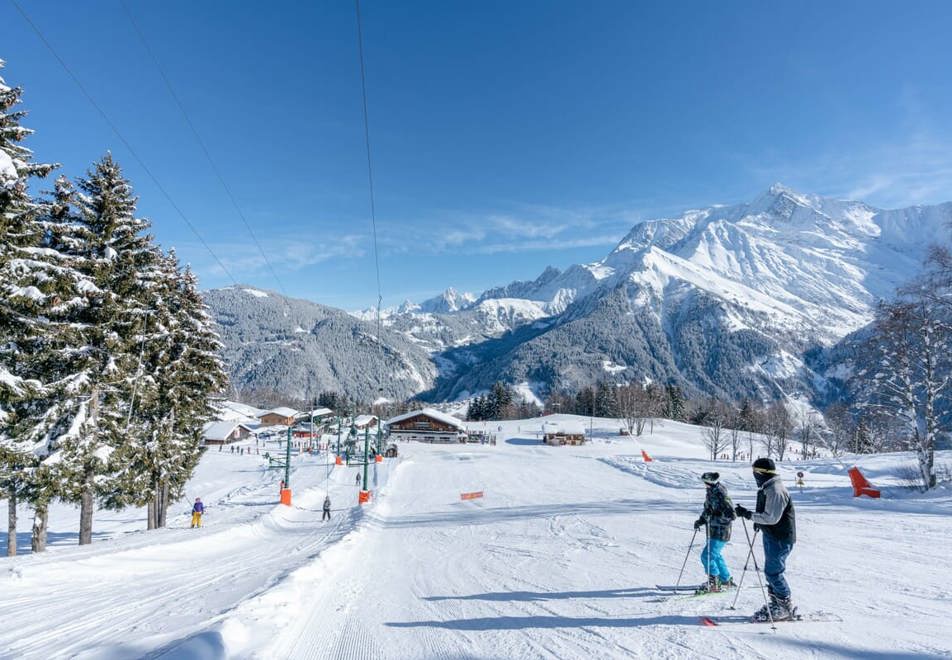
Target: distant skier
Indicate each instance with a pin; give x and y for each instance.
(357, 482)
(198, 509)
(327, 508)
(717, 515)
(775, 517)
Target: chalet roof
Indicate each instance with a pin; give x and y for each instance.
(283, 411)
(318, 412)
(431, 413)
(363, 420)
(218, 430)
(564, 427)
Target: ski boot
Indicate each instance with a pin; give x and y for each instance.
(730, 584)
(712, 586)
(780, 609)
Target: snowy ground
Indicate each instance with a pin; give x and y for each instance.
(558, 560)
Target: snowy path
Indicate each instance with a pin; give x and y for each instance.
(144, 589)
(560, 560)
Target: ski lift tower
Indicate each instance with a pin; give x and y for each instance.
(286, 464)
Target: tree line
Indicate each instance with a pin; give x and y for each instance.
(108, 355)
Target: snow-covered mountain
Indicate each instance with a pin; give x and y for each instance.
(724, 300)
(300, 348)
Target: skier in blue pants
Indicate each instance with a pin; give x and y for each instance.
(717, 516)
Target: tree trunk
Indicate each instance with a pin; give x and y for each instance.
(86, 508)
(163, 505)
(40, 516)
(150, 514)
(12, 522)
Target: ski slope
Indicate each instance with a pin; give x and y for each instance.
(559, 559)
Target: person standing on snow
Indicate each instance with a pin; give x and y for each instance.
(327, 508)
(197, 510)
(775, 517)
(717, 516)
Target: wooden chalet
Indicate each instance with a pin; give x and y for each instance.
(427, 425)
(278, 417)
(220, 433)
(563, 433)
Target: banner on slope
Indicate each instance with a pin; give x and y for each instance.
(471, 496)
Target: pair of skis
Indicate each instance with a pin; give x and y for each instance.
(692, 589)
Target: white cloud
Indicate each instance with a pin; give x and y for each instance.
(285, 253)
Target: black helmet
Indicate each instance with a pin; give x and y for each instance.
(764, 470)
(710, 477)
(765, 466)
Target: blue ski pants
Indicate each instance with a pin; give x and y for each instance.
(713, 560)
(775, 563)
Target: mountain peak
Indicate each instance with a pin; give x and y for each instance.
(448, 301)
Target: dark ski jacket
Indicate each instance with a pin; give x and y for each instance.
(198, 508)
(327, 504)
(718, 512)
(774, 514)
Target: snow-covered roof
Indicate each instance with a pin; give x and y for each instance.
(430, 412)
(364, 420)
(218, 430)
(318, 412)
(234, 411)
(564, 427)
(283, 411)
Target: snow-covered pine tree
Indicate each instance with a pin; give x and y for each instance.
(54, 355)
(19, 233)
(122, 264)
(179, 369)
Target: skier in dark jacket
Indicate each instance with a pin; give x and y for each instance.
(327, 508)
(775, 517)
(717, 516)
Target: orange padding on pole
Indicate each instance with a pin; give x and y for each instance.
(471, 496)
(286, 496)
(861, 485)
(379, 458)
(645, 456)
(338, 461)
(363, 497)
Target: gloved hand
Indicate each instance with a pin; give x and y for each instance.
(698, 524)
(743, 512)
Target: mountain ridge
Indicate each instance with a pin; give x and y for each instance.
(724, 300)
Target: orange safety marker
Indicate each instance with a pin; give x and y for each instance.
(645, 457)
(378, 458)
(363, 497)
(861, 485)
(286, 496)
(471, 496)
(338, 461)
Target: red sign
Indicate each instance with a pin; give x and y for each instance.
(471, 496)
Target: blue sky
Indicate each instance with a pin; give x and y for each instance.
(506, 136)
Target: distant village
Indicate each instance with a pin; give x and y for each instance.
(238, 422)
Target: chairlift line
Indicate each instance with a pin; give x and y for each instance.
(201, 143)
(125, 142)
(370, 180)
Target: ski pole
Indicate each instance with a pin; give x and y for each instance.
(707, 546)
(757, 571)
(690, 547)
(750, 551)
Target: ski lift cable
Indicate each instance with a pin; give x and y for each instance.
(201, 143)
(370, 177)
(125, 142)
